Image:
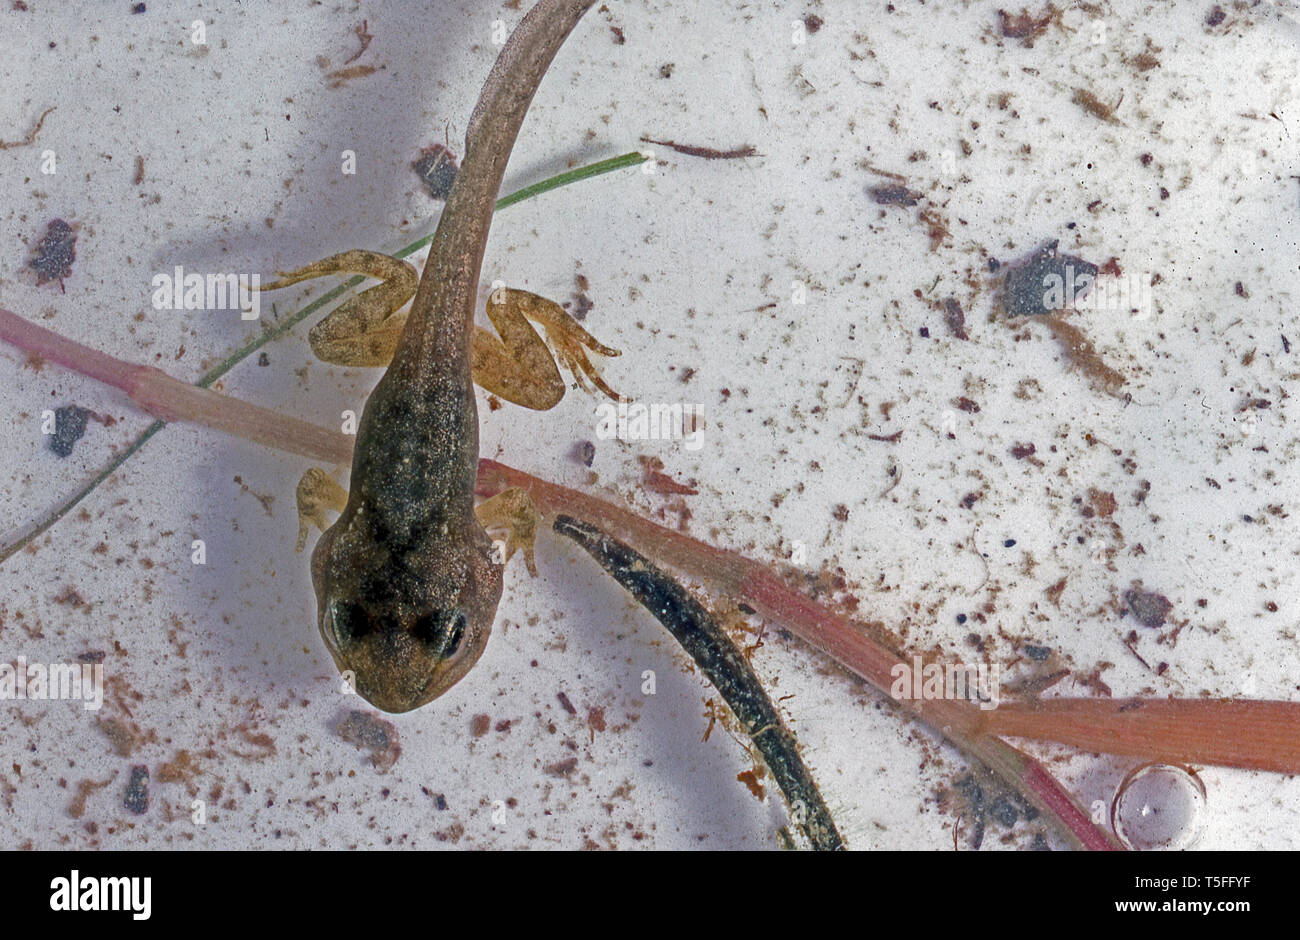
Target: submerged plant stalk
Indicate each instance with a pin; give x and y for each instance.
(1249, 734)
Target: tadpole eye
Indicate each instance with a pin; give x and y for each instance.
(347, 623)
(442, 629)
(457, 634)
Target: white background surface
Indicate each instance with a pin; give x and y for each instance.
(690, 270)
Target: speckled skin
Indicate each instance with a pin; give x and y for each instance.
(406, 588)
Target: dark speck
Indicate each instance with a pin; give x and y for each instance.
(1003, 812)
(55, 252)
(69, 426)
(1148, 607)
(894, 195)
(954, 317)
(136, 799)
(961, 618)
(1045, 281)
(436, 169)
(1009, 543)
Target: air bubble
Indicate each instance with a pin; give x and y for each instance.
(1158, 806)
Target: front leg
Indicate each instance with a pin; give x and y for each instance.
(510, 510)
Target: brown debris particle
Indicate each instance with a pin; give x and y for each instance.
(656, 481)
(708, 153)
(1095, 106)
(1094, 681)
(180, 769)
(936, 226)
(1025, 26)
(886, 438)
(562, 768)
(954, 317)
(479, 725)
(582, 304)
(364, 36)
(1145, 61)
(750, 779)
(121, 737)
(77, 808)
(1099, 504)
(1081, 354)
(340, 77)
(31, 136)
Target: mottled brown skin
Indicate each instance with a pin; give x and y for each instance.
(405, 584)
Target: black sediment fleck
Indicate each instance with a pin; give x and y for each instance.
(69, 427)
(136, 799)
(1033, 286)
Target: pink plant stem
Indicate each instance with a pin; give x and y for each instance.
(1250, 734)
(164, 397)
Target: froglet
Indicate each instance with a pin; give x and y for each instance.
(406, 583)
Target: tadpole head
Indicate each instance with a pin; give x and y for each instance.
(401, 641)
